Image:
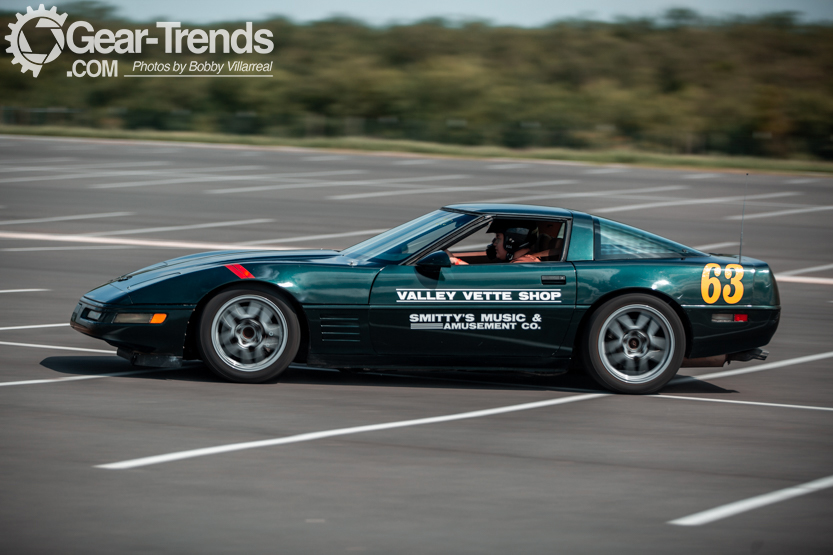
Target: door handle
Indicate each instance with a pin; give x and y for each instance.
(554, 280)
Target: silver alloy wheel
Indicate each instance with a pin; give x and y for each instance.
(636, 343)
(249, 333)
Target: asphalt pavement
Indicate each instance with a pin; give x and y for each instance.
(558, 467)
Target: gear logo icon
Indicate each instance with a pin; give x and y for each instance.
(20, 48)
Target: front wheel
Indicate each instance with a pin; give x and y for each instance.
(248, 335)
(634, 344)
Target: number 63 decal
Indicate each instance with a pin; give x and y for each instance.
(710, 286)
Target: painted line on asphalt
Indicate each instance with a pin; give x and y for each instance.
(136, 242)
(37, 249)
(757, 368)
(178, 227)
(803, 279)
(712, 246)
(179, 455)
(809, 270)
(603, 171)
(193, 453)
(738, 507)
(207, 178)
(583, 194)
(415, 162)
(67, 218)
(781, 213)
(89, 377)
(481, 382)
(35, 326)
(39, 168)
(734, 402)
(323, 158)
(394, 181)
(23, 290)
(74, 173)
(506, 166)
(56, 347)
(316, 237)
(459, 189)
(700, 176)
(686, 202)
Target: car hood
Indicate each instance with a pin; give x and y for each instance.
(192, 262)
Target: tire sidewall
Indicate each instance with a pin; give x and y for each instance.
(220, 367)
(596, 367)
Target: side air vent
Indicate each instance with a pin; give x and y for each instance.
(340, 328)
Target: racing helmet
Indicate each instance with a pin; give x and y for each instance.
(516, 236)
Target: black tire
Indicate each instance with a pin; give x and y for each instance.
(634, 344)
(248, 334)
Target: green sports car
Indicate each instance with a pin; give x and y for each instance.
(469, 286)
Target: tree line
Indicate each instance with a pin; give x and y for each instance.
(678, 83)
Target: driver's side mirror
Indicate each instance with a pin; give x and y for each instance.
(434, 262)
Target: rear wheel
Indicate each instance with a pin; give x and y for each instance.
(248, 335)
(634, 344)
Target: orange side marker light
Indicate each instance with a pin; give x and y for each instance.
(158, 318)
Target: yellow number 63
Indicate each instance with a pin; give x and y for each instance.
(710, 286)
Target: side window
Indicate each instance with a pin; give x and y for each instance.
(547, 245)
(615, 241)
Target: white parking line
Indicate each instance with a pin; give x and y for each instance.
(732, 509)
(800, 181)
(506, 166)
(324, 158)
(34, 326)
(372, 182)
(56, 347)
(67, 218)
(751, 369)
(803, 279)
(603, 171)
(88, 377)
(714, 246)
(316, 237)
(686, 202)
(23, 290)
(146, 461)
(415, 162)
(180, 455)
(809, 270)
(583, 194)
(76, 172)
(782, 213)
(208, 178)
(454, 189)
(39, 168)
(136, 242)
(39, 249)
(734, 402)
(699, 176)
(178, 227)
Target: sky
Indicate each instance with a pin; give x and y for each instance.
(526, 13)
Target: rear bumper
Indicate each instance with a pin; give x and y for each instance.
(167, 338)
(711, 338)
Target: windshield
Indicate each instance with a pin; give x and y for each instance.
(399, 243)
(615, 241)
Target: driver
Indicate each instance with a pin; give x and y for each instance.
(513, 242)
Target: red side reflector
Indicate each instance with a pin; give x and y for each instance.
(240, 271)
(741, 318)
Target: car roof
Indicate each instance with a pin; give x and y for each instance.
(512, 210)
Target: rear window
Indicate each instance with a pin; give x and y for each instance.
(615, 241)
